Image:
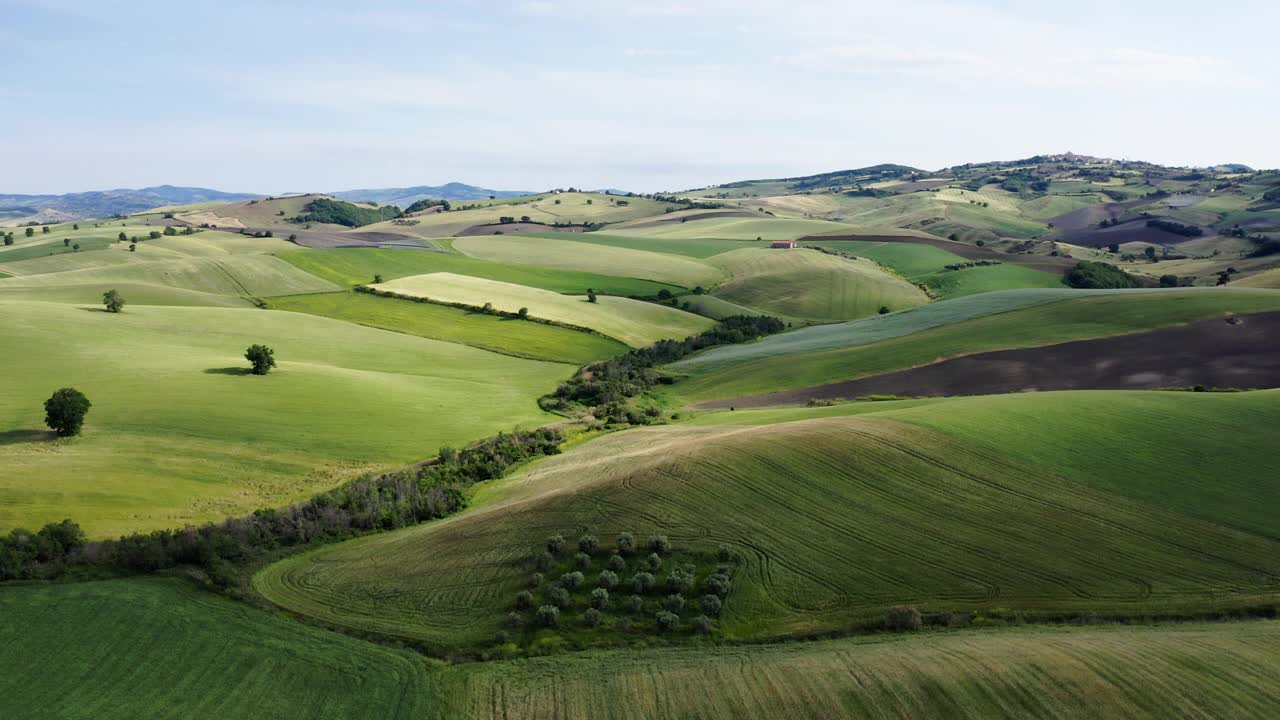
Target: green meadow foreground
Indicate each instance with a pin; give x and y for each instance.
(154, 648)
(173, 405)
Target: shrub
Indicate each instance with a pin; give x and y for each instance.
(1168, 281)
(554, 543)
(884, 310)
(716, 583)
(535, 580)
(558, 597)
(599, 598)
(549, 616)
(702, 625)
(608, 579)
(616, 563)
(674, 603)
(711, 605)
(573, 580)
(642, 583)
(659, 544)
(588, 544)
(261, 357)
(523, 313)
(724, 553)
(582, 561)
(501, 638)
(64, 411)
(903, 618)
(653, 562)
(591, 617)
(545, 561)
(667, 621)
(515, 619)
(524, 600)
(633, 604)
(626, 543)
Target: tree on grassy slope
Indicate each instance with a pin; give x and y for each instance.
(113, 300)
(262, 357)
(64, 411)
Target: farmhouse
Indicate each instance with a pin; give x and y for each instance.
(784, 244)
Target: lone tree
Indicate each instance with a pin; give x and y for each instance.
(262, 357)
(113, 300)
(64, 411)
(122, 238)
(591, 295)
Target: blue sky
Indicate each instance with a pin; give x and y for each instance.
(284, 96)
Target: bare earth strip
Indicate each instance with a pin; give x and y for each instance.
(1211, 352)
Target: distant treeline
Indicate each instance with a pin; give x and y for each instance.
(427, 204)
(1099, 276)
(1176, 228)
(369, 504)
(606, 385)
(337, 212)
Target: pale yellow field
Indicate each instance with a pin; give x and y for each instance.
(634, 322)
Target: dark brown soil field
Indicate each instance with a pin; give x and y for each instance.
(327, 239)
(512, 228)
(1046, 263)
(1213, 353)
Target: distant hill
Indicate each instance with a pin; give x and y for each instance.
(102, 203)
(404, 197)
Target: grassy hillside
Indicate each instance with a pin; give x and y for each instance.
(358, 266)
(688, 247)
(836, 519)
(786, 366)
(1104, 673)
(249, 275)
(731, 228)
(179, 434)
(536, 341)
(590, 257)
(571, 208)
(155, 648)
(811, 285)
(634, 322)
(125, 649)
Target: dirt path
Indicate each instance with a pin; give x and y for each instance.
(1213, 353)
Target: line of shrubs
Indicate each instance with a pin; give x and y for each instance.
(369, 504)
(973, 264)
(487, 309)
(627, 376)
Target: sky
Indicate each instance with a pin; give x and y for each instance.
(284, 96)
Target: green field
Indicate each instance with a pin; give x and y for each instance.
(688, 247)
(591, 258)
(536, 341)
(155, 648)
(244, 275)
(837, 518)
(634, 322)
(158, 649)
(788, 366)
(1207, 671)
(926, 264)
(731, 228)
(810, 285)
(177, 434)
(358, 266)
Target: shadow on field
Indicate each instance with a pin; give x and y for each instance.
(228, 371)
(13, 437)
(95, 310)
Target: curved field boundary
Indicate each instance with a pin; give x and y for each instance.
(883, 327)
(1046, 263)
(1212, 353)
(834, 520)
(1038, 325)
(590, 257)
